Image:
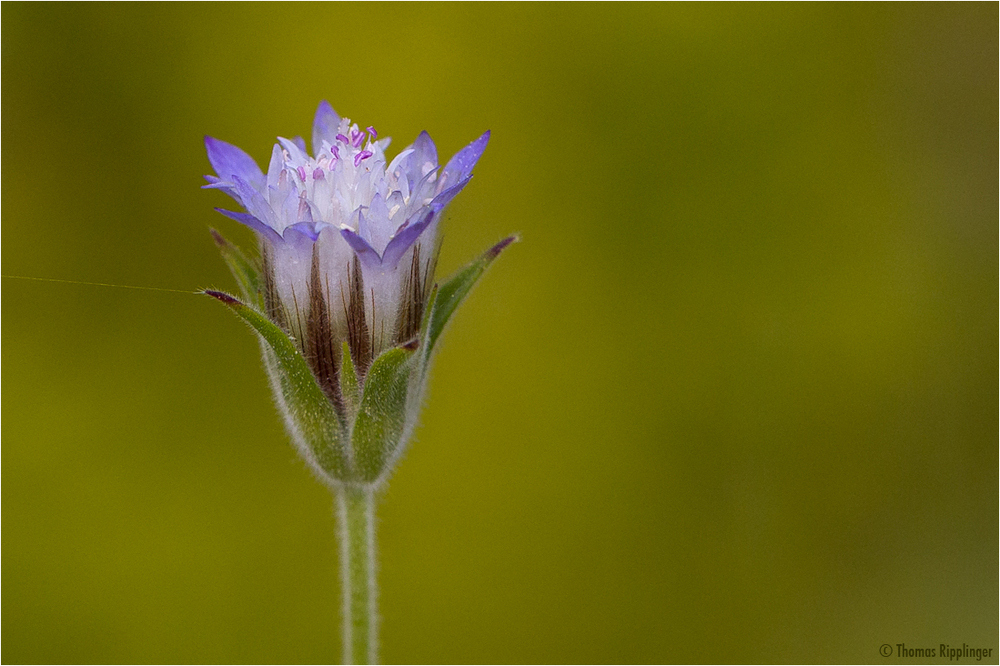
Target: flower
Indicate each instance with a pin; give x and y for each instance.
(343, 293)
(367, 228)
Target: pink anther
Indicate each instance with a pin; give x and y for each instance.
(363, 155)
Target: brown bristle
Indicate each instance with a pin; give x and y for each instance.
(272, 303)
(358, 339)
(299, 331)
(319, 344)
(411, 307)
(429, 269)
(217, 237)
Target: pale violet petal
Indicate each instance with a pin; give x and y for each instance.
(460, 166)
(229, 161)
(325, 126)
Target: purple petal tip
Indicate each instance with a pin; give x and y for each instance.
(365, 252)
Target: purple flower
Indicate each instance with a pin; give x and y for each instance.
(342, 294)
(343, 300)
(348, 239)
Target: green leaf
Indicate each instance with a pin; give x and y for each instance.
(350, 389)
(382, 417)
(307, 405)
(453, 292)
(246, 272)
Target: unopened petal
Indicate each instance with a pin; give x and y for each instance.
(425, 154)
(275, 166)
(296, 153)
(380, 227)
(325, 126)
(254, 202)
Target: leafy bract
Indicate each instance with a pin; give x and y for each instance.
(310, 410)
(246, 271)
(382, 416)
(451, 294)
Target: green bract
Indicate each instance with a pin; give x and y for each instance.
(353, 432)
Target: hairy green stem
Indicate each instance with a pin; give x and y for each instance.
(356, 523)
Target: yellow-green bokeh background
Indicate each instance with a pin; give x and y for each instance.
(733, 398)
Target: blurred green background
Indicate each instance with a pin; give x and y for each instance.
(733, 398)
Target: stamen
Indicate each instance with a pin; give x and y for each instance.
(343, 139)
(318, 174)
(371, 130)
(363, 155)
(302, 173)
(335, 151)
(356, 136)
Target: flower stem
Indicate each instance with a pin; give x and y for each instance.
(356, 522)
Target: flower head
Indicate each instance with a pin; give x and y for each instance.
(348, 247)
(366, 226)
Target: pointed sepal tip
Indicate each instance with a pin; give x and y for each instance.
(231, 301)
